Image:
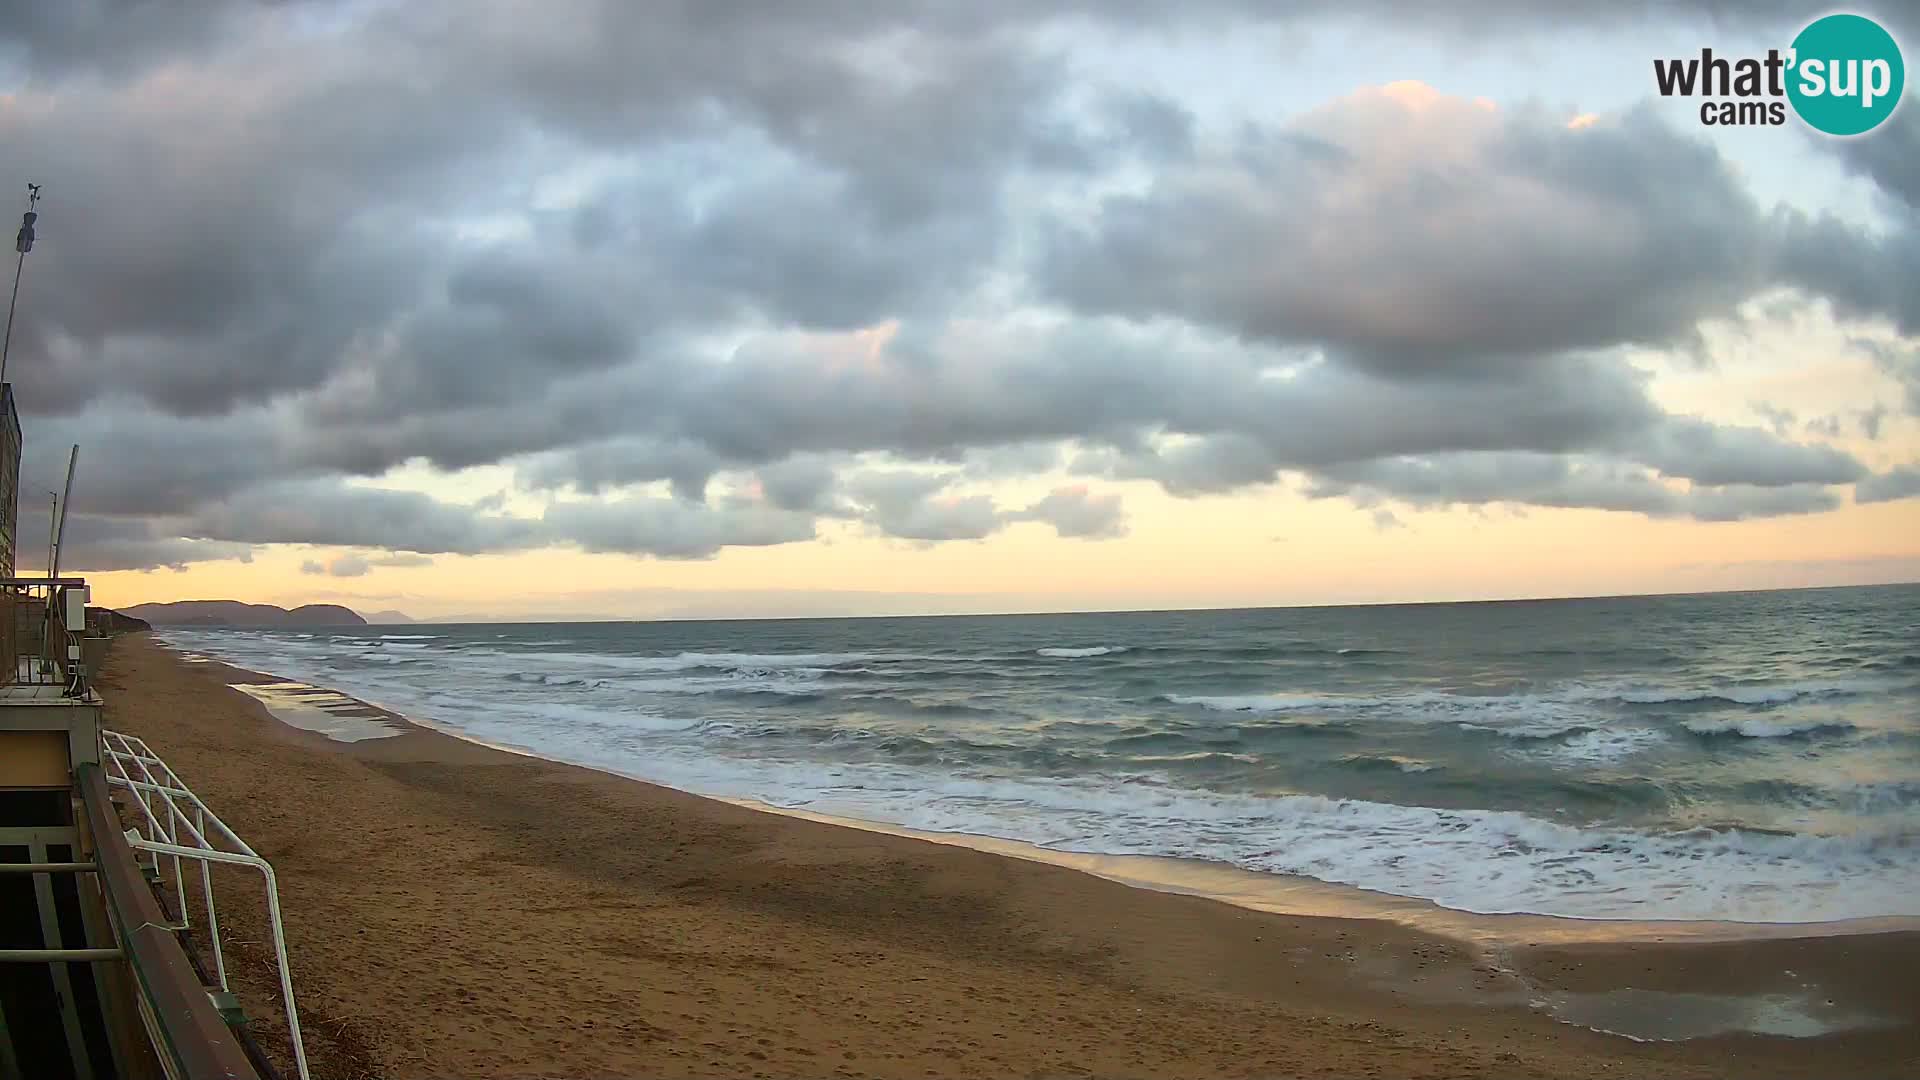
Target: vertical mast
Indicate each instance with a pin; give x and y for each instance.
(22, 243)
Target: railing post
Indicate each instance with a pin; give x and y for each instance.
(213, 917)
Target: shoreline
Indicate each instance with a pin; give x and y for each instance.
(458, 909)
(1281, 894)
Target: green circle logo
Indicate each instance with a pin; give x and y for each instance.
(1846, 75)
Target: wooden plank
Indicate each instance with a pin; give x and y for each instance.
(34, 759)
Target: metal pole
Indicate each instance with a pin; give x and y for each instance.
(23, 244)
(19, 266)
(57, 956)
(46, 613)
(66, 503)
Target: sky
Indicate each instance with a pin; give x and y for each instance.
(597, 309)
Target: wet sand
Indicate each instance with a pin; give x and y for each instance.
(460, 911)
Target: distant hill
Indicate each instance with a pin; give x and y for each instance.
(235, 613)
(387, 618)
(108, 621)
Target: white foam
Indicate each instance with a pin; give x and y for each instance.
(1521, 716)
(1763, 727)
(1267, 703)
(1601, 746)
(1078, 653)
(408, 637)
(1492, 862)
(1736, 694)
(690, 660)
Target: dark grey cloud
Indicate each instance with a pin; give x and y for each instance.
(100, 543)
(1717, 455)
(329, 513)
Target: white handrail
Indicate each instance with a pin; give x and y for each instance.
(165, 840)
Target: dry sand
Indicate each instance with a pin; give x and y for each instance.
(458, 911)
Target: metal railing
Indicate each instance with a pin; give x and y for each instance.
(189, 1038)
(42, 623)
(178, 825)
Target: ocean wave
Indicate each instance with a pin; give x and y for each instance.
(688, 661)
(549, 678)
(963, 732)
(1495, 862)
(1524, 716)
(1067, 653)
(1742, 694)
(1271, 703)
(1396, 762)
(1598, 746)
(1754, 727)
(406, 637)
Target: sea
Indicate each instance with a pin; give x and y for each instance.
(1746, 757)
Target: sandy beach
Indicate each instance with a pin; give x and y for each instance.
(461, 911)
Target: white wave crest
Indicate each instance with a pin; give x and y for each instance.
(1761, 727)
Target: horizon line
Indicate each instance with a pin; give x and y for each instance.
(450, 621)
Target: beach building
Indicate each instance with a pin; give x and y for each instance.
(99, 976)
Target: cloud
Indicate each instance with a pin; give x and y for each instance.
(405, 559)
(911, 251)
(1891, 157)
(349, 566)
(1076, 512)
(1571, 482)
(917, 506)
(98, 544)
(1898, 483)
(1780, 420)
(673, 528)
(329, 513)
(1900, 361)
(353, 564)
(1418, 234)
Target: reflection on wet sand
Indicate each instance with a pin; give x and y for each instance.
(1660, 1016)
(327, 712)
